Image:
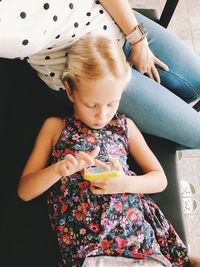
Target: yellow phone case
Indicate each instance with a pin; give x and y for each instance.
(93, 173)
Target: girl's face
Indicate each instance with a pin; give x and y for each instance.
(96, 102)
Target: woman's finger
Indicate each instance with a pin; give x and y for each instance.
(150, 75)
(142, 69)
(161, 64)
(155, 74)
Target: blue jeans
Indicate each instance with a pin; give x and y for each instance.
(163, 110)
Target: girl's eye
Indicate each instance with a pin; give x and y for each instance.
(112, 104)
(90, 106)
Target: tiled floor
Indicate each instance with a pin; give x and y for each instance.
(185, 21)
(188, 167)
(186, 24)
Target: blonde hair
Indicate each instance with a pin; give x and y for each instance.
(93, 57)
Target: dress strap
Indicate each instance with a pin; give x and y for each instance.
(122, 122)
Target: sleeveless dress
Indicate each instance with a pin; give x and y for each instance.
(123, 225)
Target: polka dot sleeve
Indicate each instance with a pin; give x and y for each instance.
(41, 30)
(21, 30)
(28, 28)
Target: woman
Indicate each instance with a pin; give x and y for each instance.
(43, 31)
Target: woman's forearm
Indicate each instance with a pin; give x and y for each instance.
(33, 185)
(152, 182)
(121, 12)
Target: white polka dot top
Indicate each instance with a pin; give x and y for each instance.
(41, 30)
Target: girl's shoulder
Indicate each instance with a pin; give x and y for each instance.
(54, 125)
(130, 123)
(54, 122)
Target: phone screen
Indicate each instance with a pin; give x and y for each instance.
(94, 172)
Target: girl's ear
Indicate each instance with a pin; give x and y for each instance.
(68, 91)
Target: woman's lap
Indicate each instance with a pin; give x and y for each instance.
(184, 65)
(154, 108)
(159, 112)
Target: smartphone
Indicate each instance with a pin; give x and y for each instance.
(94, 172)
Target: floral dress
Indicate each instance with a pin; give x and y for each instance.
(125, 225)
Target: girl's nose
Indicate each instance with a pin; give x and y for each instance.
(101, 114)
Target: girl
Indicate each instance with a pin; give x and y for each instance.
(111, 218)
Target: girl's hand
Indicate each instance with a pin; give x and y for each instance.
(72, 164)
(143, 59)
(110, 185)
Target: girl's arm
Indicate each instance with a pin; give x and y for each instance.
(153, 180)
(36, 177)
(141, 55)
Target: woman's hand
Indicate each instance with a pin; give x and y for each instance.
(72, 164)
(144, 61)
(111, 185)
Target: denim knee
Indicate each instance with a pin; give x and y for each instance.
(179, 86)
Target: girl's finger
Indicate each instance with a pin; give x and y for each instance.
(101, 165)
(81, 164)
(71, 159)
(115, 162)
(96, 190)
(98, 183)
(63, 169)
(85, 157)
(94, 152)
(71, 168)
